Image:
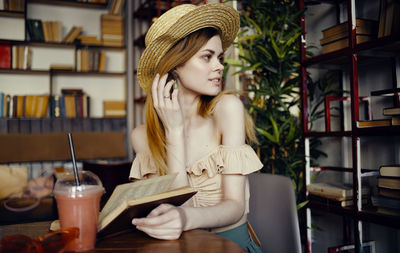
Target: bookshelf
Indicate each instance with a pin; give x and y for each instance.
(368, 69)
(111, 84)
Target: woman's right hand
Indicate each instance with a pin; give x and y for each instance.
(166, 105)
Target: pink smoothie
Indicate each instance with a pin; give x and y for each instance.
(80, 210)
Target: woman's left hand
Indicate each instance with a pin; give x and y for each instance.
(164, 222)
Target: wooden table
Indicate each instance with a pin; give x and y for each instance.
(136, 241)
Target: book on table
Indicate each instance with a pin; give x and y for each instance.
(136, 200)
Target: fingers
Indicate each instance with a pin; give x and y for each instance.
(161, 215)
(161, 233)
(161, 88)
(163, 208)
(154, 89)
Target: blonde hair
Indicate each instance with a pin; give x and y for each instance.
(180, 53)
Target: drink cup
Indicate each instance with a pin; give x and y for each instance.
(78, 206)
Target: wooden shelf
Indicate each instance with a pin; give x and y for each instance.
(381, 47)
(59, 72)
(328, 134)
(12, 14)
(72, 3)
(23, 71)
(378, 131)
(387, 218)
(369, 214)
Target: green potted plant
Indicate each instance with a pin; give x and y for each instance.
(268, 65)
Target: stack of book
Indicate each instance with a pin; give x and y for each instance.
(90, 60)
(334, 194)
(112, 30)
(21, 57)
(336, 37)
(394, 112)
(389, 18)
(388, 188)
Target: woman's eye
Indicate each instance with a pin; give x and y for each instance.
(221, 59)
(207, 57)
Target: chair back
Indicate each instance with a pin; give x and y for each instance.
(273, 213)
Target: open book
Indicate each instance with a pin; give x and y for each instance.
(137, 199)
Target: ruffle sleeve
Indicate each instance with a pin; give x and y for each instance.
(142, 167)
(227, 160)
(239, 160)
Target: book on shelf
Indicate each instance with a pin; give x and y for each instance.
(14, 5)
(374, 123)
(389, 182)
(73, 33)
(389, 171)
(363, 26)
(5, 56)
(35, 30)
(116, 7)
(335, 191)
(114, 108)
(367, 247)
(61, 67)
(395, 120)
(344, 42)
(385, 202)
(335, 202)
(89, 40)
(389, 20)
(21, 57)
(52, 31)
(392, 111)
(390, 193)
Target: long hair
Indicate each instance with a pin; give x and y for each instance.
(180, 53)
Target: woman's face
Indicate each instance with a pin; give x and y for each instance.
(202, 74)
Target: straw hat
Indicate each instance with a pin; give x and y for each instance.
(176, 24)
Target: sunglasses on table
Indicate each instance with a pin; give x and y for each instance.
(51, 242)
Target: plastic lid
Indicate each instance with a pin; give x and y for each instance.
(89, 183)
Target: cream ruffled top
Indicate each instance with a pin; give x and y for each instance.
(205, 174)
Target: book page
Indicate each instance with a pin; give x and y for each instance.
(136, 190)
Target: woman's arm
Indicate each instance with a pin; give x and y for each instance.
(167, 222)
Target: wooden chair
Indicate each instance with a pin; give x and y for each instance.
(273, 213)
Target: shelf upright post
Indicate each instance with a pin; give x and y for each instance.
(354, 118)
(304, 106)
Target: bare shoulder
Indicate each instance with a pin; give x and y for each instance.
(229, 105)
(230, 118)
(139, 139)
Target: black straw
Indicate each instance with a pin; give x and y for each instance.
(71, 147)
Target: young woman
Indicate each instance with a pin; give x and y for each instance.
(192, 128)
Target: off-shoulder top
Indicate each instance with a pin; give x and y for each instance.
(205, 174)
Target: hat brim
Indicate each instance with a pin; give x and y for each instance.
(220, 16)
